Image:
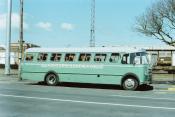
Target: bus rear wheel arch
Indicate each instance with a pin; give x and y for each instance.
(51, 79)
(130, 82)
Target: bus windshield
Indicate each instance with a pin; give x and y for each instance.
(139, 58)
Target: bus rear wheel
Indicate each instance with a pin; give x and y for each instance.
(130, 83)
(51, 79)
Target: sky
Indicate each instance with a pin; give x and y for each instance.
(66, 23)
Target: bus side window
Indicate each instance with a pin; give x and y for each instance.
(100, 57)
(88, 57)
(84, 57)
(125, 59)
(70, 57)
(114, 57)
(55, 57)
(29, 57)
(42, 56)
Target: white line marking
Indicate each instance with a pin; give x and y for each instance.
(5, 82)
(138, 97)
(88, 102)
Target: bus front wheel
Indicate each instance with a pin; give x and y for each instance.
(130, 84)
(51, 79)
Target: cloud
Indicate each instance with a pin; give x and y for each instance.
(67, 26)
(45, 25)
(2, 21)
(15, 20)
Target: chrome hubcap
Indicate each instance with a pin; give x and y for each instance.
(129, 83)
(51, 79)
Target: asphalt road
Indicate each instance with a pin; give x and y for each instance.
(33, 100)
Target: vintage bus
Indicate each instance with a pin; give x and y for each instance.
(127, 67)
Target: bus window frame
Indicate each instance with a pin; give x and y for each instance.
(141, 58)
(113, 62)
(91, 55)
(67, 61)
(48, 56)
(128, 58)
(55, 55)
(29, 54)
(106, 57)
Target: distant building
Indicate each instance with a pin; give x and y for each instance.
(14, 52)
(159, 55)
(161, 51)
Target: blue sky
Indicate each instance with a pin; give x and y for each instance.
(63, 23)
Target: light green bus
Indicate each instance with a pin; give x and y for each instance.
(127, 67)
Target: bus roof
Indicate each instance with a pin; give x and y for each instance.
(87, 49)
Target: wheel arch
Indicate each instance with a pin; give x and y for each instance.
(130, 75)
(50, 72)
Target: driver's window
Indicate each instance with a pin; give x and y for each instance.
(144, 60)
(137, 60)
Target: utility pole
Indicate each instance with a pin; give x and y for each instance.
(92, 31)
(20, 38)
(7, 55)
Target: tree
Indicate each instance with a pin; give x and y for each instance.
(159, 21)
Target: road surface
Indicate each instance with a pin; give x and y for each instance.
(34, 100)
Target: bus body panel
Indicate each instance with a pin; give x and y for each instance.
(103, 74)
(83, 72)
(33, 76)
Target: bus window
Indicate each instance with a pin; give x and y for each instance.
(145, 59)
(100, 57)
(84, 57)
(141, 58)
(70, 57)
(114, 57)
(125, 59)
(29, 57)
(42, 56)
(55, 57)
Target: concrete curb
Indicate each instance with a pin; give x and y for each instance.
(164, 82)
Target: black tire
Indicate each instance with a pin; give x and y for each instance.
(51, 79)
(170, 72)
(130, 83)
